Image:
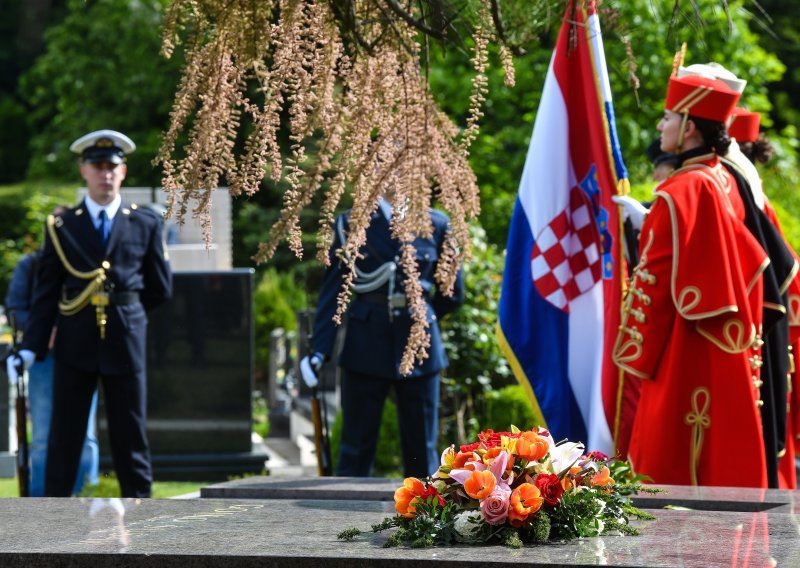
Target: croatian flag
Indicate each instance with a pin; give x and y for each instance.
(560, 300)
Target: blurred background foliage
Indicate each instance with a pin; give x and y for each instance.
(71, 66)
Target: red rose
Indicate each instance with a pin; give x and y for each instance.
(492, 439)
(470, 447)
(550, 487)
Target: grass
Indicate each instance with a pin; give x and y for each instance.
(108, 487)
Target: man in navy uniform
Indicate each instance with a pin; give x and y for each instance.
(103, 266)
(377, 330)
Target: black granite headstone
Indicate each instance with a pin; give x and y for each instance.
(200, 378)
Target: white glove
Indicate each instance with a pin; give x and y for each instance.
(309, 367)
(24, 359)
(631, 210)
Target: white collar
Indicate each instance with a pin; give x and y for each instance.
(94, 208)
(749, 170)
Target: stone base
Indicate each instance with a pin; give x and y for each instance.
(204, 467)
(300, 533)
(382, 489)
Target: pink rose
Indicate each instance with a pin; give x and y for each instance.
(494, 507)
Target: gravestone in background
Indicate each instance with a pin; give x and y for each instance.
(200, 379)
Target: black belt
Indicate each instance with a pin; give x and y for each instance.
(123, 298)
(373, 298)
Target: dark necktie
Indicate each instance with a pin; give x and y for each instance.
(102, 228)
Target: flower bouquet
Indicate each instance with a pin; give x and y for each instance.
(514, 488)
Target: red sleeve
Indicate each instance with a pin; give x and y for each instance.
(698, 262)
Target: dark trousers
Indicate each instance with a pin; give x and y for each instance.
(362, 398)
(125, 398)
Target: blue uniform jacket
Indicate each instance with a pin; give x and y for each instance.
(20, 290)
(135, 252)
(374, 342)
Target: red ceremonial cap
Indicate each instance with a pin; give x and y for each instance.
(744, 125)
(702, 97)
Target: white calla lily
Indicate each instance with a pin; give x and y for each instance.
(565, 455)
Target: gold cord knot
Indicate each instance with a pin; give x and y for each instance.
(699, 420)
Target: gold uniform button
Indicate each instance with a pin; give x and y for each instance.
(106, 264)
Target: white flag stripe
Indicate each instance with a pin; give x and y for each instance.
(600, 68)
(547, 172)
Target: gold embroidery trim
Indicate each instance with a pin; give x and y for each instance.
(792, 274)
(699, 420)
(735, 336)
(638, 315)
(94, 292)
(794, 310)
(645, 276)
(679, 299)
(628, 350)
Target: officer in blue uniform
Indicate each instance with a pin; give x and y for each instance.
(103, 266)
(377, 330)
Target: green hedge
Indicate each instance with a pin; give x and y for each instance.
(506, 406)
(23, 210)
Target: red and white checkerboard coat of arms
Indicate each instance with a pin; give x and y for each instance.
(566, 259)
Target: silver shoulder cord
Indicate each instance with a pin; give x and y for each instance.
(365, 282)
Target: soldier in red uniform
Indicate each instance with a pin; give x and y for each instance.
(751, 147)
(692, 317)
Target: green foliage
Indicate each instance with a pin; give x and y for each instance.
(275, 303)
(654, 39)
(476, 365)
(260, 416)
(348, 534)
(586, 513)
(776, 27)
(14, 135)
(388, 457)
(540, 529)
(108, 486)
(498, 155)
(505, 406)
(252, 220)
(23, 210)
(101, 69)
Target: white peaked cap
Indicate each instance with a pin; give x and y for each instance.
(117, 139)
(714, 71)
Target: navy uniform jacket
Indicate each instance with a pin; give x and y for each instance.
(135, 252)
(374, 342)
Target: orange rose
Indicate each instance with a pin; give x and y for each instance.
(603, 478)
(405, 497)
(525, 501)
(480, 484)
(492, 454)
(531, 446)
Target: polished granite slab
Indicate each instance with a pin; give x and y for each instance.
(100, 533)
(382, 489)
